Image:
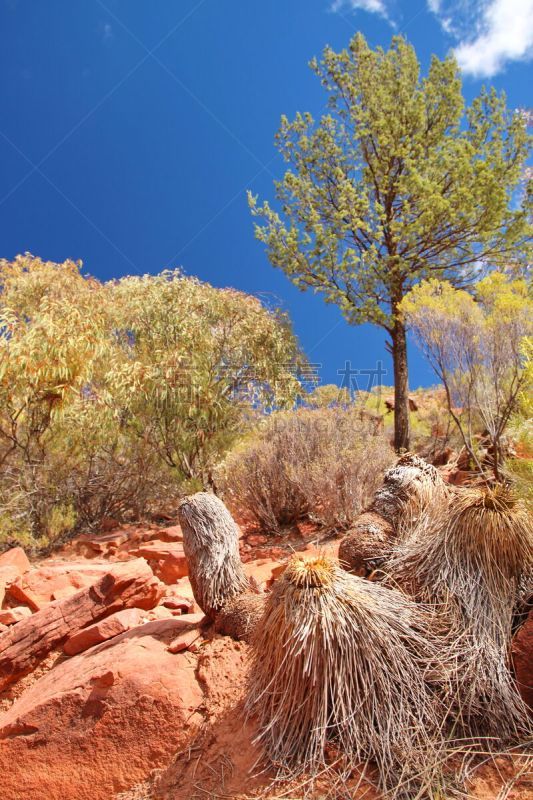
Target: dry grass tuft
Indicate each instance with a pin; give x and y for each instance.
(469, 557)
(337, 658)
(320, 464)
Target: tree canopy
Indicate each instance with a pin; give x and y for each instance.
(477, 344)
(397, 183)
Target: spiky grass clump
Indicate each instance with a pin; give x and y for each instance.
(338, 658)
(469, 558)
(408, 487)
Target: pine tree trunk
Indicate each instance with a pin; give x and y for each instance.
(401, 387)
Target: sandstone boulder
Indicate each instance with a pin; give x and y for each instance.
(100, 722)
(102, 544)
(185, 641)
(23, 646)
(171, 534)
(10, 616)
(103, 630)
(15, 557)
(171, 568)
(160, 612)
(174, 602)
(167, 559)
(13, 564)
(38, 587)
(260, 572)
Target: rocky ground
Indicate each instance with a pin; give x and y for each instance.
(113, 686)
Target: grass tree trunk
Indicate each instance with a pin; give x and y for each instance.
(218, 581)
(401, 387)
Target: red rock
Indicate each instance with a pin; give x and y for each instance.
(9, 573)
(122, 555)
(260, 571)
(256, 540)
(523, 660)
(3, 628)
(102, 721)
(275, 553)
(172, 568)
(103, 630)
(38, 587)
(158, 550)
(24, 645)
(170, 534)
(182, 588)
(176, 603)
(16, 557)
(64, 591)
(93, 544)
(12, 615)
(329, 548)
(184, 641)
(167, 559)
(159, 612)
(18, 591)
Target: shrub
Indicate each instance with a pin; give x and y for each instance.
(476, 346)
(323, 464)
(116, 397)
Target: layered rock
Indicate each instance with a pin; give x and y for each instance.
(9, 616)
(167, 559)
(23, 646)
(55, 581)
(103, 720)
(13, 564)
(101, 631)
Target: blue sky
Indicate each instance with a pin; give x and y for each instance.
(131, 130)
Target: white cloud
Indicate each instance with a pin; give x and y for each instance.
(506, 35)
(372, 6)
(490, 33)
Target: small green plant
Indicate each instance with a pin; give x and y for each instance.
(60, 521)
